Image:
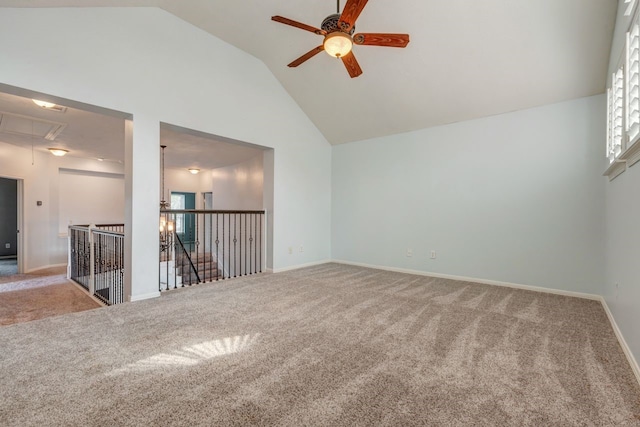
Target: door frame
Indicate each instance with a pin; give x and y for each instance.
(20, 205)
(20, 221)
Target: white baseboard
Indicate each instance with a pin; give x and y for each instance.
(621, 340)
(475, 280)
(31, 270)
(142, 297)
(296, 267)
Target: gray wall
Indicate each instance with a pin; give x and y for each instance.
(513, 198)
(8, 216)
(622, 280)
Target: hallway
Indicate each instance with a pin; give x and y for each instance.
(8, 267)
(44, 293)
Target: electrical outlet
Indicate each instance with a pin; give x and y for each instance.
(433, 254)
(290, 250)
(301, 248)
(7, 246)
(409, 253)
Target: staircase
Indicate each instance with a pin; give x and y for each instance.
(205, 265)
(220, 245)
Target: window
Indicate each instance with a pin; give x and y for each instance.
(178, 202)
(632, 83)
(623, 102)
(614, 108)
(630, 5)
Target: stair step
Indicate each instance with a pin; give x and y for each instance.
(194, 260)
(201, 273)
(203, 277)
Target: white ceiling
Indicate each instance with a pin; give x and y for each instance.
(92, 135)
(87, 135)
(466, 59)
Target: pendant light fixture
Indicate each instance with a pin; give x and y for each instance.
(163, 203)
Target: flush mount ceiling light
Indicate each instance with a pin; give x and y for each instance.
(50, 106)
(194, 171)
(43, 104)
(59, 152)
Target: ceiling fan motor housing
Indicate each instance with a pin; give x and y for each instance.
(330, 25)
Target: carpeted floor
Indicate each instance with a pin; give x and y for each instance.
(7, 282)
(327, 345)
(8, 267)
(44, 293)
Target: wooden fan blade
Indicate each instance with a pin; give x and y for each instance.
(352, 65)
(381, 39)
(297, 24)
(350, 13)
(313, 52)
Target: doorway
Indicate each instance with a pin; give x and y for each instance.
(9, 209)
(185, 223)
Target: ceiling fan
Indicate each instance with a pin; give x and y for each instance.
(338, 30)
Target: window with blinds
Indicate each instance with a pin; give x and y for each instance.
(615, 115)
(633, 82)
(623, 101)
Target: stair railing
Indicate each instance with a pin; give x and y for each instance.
(96, 260)
(180, 249)
(214, 244)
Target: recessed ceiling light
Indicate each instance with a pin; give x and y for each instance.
(43, 104)
(194, 171)
(59, 152)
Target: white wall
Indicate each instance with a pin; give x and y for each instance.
(236, 187)
(88, 197)
(43, 245)
(623, 234)
(513, 198)
(162, 69)
(239, 186)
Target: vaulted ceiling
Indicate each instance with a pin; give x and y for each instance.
(467, 59)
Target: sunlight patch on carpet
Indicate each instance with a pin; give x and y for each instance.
(191, 355)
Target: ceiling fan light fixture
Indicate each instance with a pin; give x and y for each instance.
(338, 44)
(58, 152)
(43, 104)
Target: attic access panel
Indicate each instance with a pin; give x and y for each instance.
(27, 126)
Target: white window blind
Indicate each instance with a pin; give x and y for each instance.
(609, 126)
(630, 5)
(633, 82)
(614, 145)
(178, 202)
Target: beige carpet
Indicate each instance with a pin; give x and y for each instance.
(329, 345)
(45, 293)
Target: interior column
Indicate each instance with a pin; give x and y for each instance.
(142, 201)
